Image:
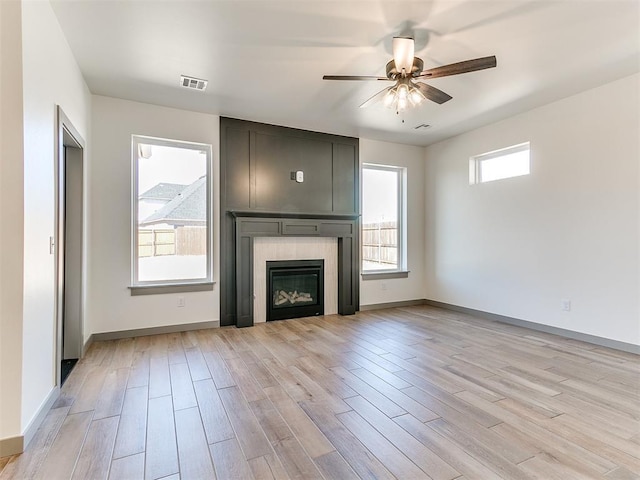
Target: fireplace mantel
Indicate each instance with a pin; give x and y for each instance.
(248, 228)
(294, 215)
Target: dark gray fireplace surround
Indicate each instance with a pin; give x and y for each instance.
(260, 197)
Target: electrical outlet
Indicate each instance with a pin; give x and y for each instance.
(565, 305)
(383, 286)
(181, 302)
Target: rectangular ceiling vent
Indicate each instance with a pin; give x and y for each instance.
(193, 83)
(424, 125)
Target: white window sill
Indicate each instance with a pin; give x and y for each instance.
(162, 288)
(382, 275)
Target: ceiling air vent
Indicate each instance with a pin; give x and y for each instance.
(193, 83)
(423, 125)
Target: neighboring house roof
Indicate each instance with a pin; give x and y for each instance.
(187, 207)
(163, 191)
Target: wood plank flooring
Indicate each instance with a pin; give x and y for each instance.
(405, 393)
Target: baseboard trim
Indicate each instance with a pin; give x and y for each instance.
(140, 332)
(381, 306)
(37, 420)
(87, 344)
(583, 337)
(11, 446)
(15, 445)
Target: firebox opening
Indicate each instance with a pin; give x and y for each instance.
(295, 288)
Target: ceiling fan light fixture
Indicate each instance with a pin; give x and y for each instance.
(389, 98)
(415, 96)
(403, 50)
(402, 104)
(404, 68)
(403, 95)
(403, 91)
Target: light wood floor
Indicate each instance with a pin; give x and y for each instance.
(402, 393)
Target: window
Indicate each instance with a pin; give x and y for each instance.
(504, 163)
(171, 212)
(383, 222)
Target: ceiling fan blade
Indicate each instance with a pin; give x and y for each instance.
(377, 97)
(352, 77)
(432, 93)
(460, 67)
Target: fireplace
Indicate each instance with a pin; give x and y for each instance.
(248, 284)
(259, 199)
(295, 288)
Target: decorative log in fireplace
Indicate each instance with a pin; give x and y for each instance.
(280, 297)
(295, 288)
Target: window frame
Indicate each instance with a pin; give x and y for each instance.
(401, 269)
(475, 162)
(138, 287)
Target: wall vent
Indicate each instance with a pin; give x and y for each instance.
(423, 125)
(193, 83)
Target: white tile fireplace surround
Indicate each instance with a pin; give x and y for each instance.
(294, 248)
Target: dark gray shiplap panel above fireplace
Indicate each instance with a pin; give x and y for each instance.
(256, 162)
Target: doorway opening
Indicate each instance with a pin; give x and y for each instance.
(69, 247)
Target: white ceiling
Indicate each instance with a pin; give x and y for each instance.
(265, 59)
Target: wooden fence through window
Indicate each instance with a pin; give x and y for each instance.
(167, 241)
(380, 242)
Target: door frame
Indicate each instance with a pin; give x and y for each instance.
(66, 136)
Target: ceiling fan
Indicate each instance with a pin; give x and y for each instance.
(405, 70)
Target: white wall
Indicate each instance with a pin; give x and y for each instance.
(50, 77)
(11, 218)
(569, 230)
(374, 292)
(110, 306)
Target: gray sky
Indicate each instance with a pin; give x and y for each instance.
(379, 196)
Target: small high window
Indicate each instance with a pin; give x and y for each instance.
(383, 223)
(504, 163)
(171, 212)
